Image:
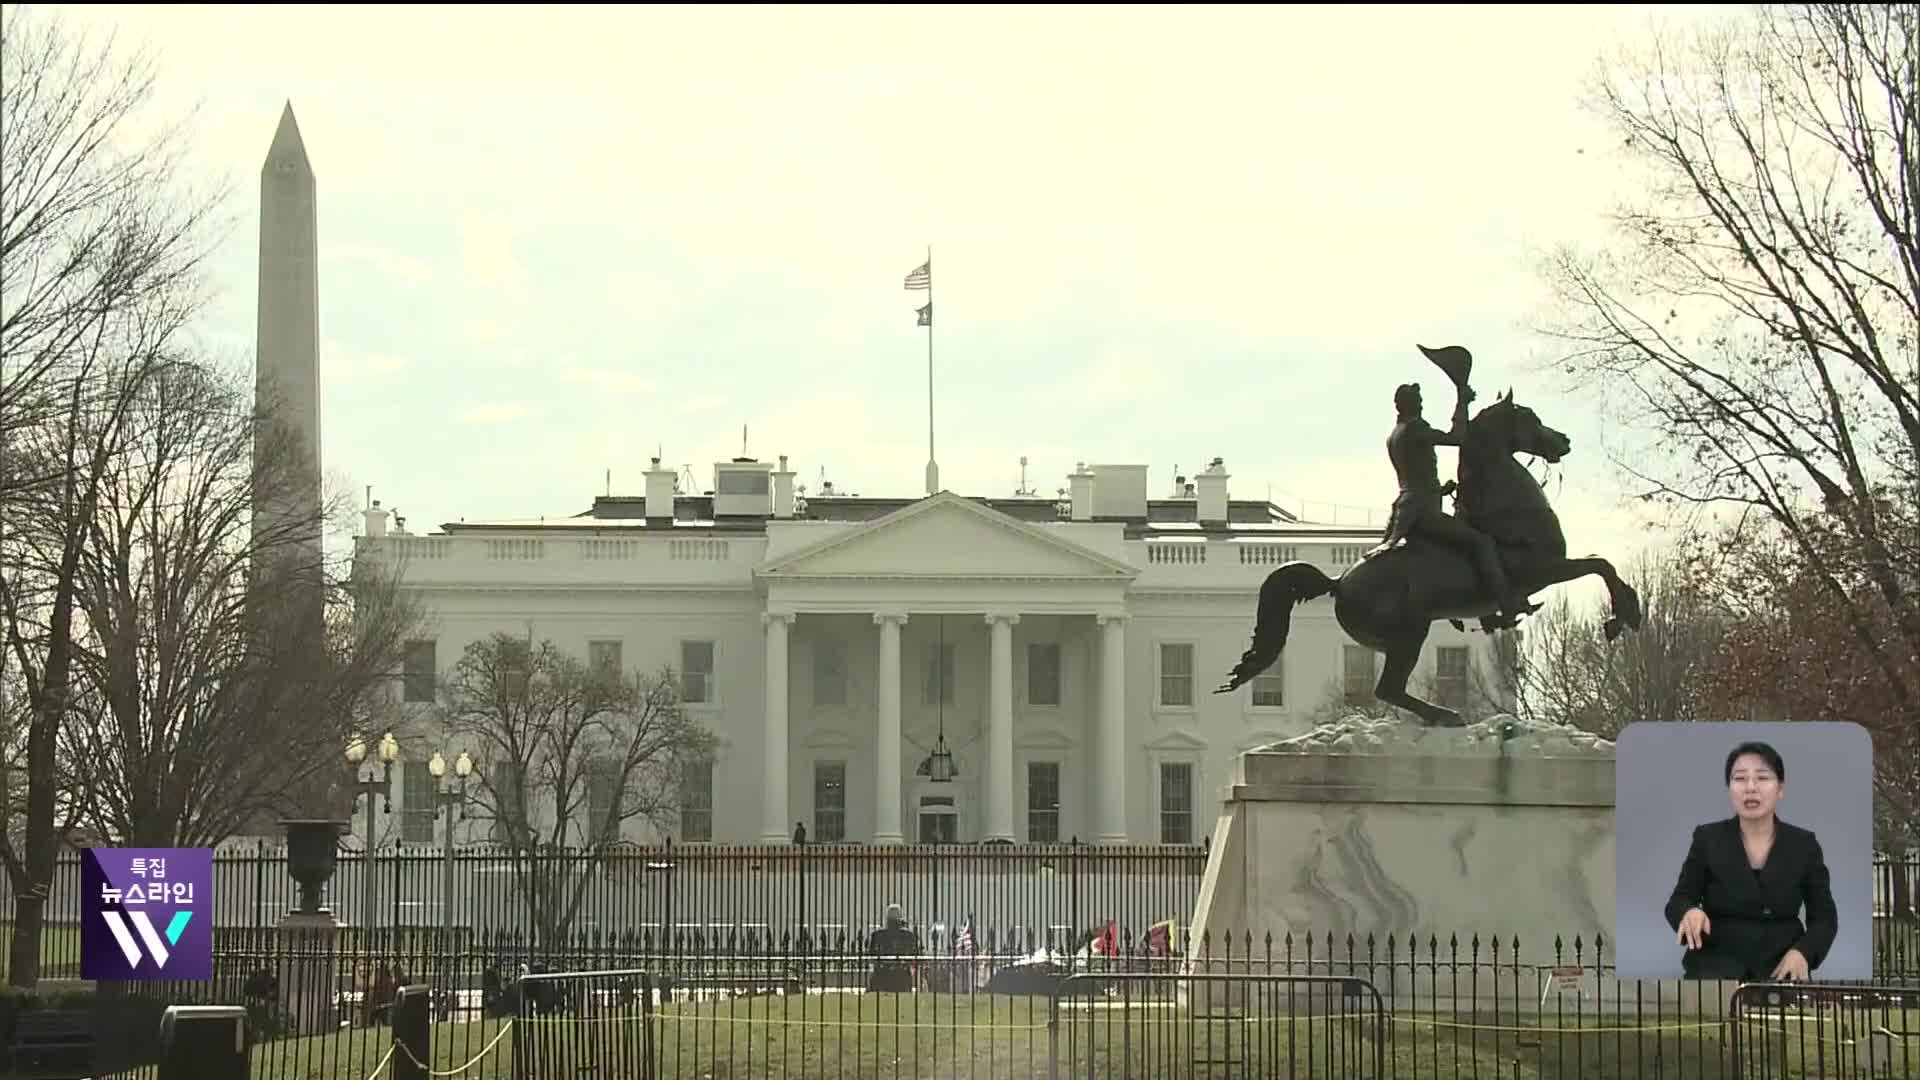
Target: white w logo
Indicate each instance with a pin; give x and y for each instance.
(130, 948)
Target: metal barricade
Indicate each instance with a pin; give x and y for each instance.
(581, 1024)
(1221, 1026)
(1830, 1030)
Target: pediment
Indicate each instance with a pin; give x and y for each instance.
(1042, 739)
(947, 536)
(1177, 740)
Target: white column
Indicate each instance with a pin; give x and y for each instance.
(999, 820)
(774, 826)
(886, 743)
(1111, 773)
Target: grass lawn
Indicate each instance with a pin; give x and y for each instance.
(886, 1036)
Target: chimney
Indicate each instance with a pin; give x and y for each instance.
(1213, 493)
(376, 521)
(660, 485)
(783, 490)
(1080, 492)
(1120, 492)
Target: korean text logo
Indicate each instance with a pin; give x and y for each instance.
(146, 913)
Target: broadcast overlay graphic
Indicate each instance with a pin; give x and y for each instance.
(1744, 852)
(146, 913)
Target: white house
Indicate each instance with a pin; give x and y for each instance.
(1065, 651)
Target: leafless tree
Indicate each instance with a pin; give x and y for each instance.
(1760, 315)
(211, 703)
(100, 248)
(566, 755)
(1569, 673)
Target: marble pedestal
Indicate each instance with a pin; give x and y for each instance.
(1410, 835)
(309, 971)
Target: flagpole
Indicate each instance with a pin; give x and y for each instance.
(933, 470)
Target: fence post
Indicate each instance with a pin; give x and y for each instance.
(800, 854)
(670, 944)
(204, 1042)
(647, 1033)
(412, 1033)
(259, 883)
(1073, 894)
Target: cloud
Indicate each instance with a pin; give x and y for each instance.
(613, 382)
(493, 413)
(485, 331)
(391, 263)
(1227, 264)
(339, 362)
(486, 252)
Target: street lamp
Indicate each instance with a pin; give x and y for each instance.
(373, 783)
(453, 796)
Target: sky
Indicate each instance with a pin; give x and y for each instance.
(557, 241)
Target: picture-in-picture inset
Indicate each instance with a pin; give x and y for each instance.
(1744, 851)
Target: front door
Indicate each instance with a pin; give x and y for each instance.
(939, 820)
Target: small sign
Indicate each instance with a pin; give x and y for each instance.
(1565, 981)
(146, 913)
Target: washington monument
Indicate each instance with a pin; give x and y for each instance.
(287, 357)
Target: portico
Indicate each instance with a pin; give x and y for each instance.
(938, 575)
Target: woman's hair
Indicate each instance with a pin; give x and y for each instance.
(1761, 750)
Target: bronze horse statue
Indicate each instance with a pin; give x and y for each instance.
(1389, 601)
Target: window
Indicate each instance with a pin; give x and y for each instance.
(420, 665)
(1357, 677)
(1043, 802)
(1270, 687)
(740, 482)
(1043, 673)
(603, 798)
(936, 683)
(696, 802)
(1176, 675)
(418, 807)
(603, 657)
(829, 673)
(829, 801)
(939, 820)
(1450, 676)
(506, 801)
(696, 672)
(516, 663)
(1176, 802)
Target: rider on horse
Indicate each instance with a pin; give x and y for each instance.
(1417, 509)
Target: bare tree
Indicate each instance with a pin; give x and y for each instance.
(1760, 318)
(1569, 673)
(100, 249)
(207, 708)
(567, 754)
(1789, 655)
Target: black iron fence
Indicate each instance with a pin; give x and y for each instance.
(1153, 1002)
(628, 889)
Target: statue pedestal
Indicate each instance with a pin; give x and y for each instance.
(1408, 835)
(309, 971)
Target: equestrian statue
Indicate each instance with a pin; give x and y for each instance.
(1484, 562)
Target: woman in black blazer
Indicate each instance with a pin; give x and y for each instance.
(1737, 904)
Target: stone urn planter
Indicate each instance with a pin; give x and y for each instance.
(312, 853)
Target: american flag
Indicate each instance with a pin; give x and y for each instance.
(921, 278)
(963, 944)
